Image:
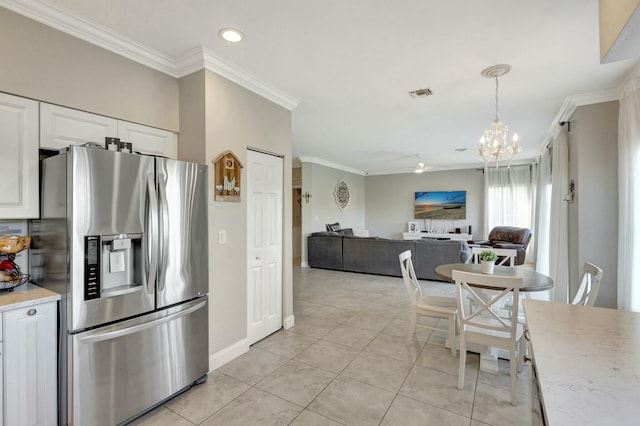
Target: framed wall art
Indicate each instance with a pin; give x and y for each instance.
(341, 194)
(227, 178)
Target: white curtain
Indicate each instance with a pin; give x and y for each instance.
(558, 241)
(543, 213)
(508, 199)
(629, 198)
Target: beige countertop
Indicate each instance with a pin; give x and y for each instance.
(25, 295)
(588, 362)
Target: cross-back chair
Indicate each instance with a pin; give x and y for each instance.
(482, 324)
(429, 306)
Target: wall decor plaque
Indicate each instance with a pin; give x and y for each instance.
(227, 177)
(342, 194)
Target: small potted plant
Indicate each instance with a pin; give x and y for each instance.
(488, 260)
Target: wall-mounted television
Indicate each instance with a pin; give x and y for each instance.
(446, 205)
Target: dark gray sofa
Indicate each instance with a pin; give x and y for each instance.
(372, 255)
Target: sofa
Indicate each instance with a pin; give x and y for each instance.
(508, 237)
(373, 255)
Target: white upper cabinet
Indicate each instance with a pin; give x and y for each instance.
(19, 158)
(149, 140)
(61, 127)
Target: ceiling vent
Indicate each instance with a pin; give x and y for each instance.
(421, 93)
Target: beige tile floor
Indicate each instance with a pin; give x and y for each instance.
(346, 362)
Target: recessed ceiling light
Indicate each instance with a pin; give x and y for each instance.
(231, 35)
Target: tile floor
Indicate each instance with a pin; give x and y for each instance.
(345, 362)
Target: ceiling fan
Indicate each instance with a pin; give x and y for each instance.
(420, 167)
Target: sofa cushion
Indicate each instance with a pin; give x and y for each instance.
(431, 253)
(325, 251)
(374, 255)
(327, 234)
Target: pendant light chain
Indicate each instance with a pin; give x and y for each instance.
(497, 119)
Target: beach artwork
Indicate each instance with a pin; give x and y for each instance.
(449, 205)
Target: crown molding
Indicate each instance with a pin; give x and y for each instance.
(194, 60)
(569, 107)
(79, 27)
(214, 63)
(337, 166)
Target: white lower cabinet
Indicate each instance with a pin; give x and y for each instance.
(29, 364)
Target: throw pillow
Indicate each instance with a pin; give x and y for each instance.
(333, 227)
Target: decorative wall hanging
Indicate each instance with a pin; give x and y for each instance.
(342, 194)
(227, 177)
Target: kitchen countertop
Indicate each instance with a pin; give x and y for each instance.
(588, 362)
(25, 295)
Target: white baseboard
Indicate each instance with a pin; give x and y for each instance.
(227, 354)
(304, 264)
(288, 322)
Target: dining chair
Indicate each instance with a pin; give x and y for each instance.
(506, 257)
(589, 286)
(428, 306)
(482, 324)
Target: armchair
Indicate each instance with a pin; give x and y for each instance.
(508, 237)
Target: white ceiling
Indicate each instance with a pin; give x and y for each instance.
(351, 64)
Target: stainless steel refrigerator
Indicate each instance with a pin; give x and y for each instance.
(123, 237)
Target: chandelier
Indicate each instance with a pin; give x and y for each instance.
(493, 143)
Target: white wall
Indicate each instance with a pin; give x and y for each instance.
(320, 181)
(593, 228)
(236, 119)
(390, 200)
(42, 63)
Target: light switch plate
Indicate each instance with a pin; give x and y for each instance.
(222, 237)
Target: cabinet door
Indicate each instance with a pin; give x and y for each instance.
(30, 393)
(1, 388)
(61, 127)
(149, 140)
(18, 158)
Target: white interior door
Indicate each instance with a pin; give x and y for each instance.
(264, 239)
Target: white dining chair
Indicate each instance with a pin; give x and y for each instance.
(483, 325)
(589, 286)
(506, 257)
(428, 306)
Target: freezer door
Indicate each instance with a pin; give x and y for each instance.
(110, 195)
(121, 370)
(183, 243)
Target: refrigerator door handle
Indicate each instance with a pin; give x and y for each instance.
(110, 335)
(152, 234)
(164, 237)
